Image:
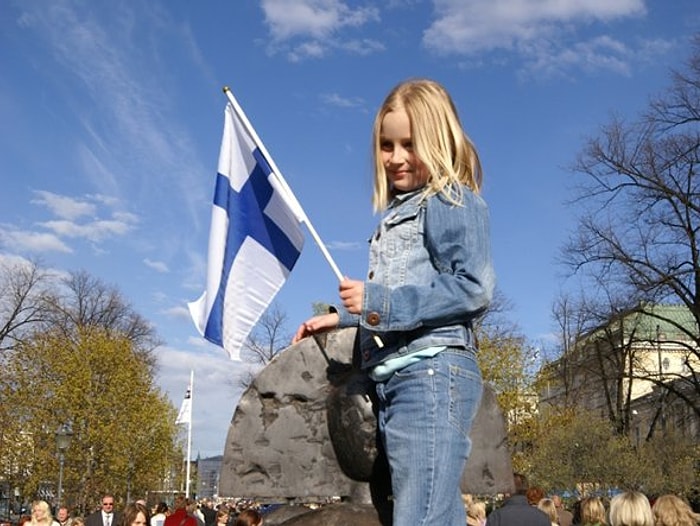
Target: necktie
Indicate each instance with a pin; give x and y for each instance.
(108, 518)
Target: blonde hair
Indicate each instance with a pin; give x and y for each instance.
(547, 506)
(221, 513)
(476, 510)
(630, 508)
(671, 510)
(592, 511)
(41, 505)
(439, 142)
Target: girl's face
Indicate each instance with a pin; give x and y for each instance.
(140, 520)
(403, 169)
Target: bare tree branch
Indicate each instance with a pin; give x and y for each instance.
(23, 294)
(269, 337)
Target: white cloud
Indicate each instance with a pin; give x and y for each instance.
(316, 26)
(196, 271)
(179, 311)
(543, 33)
(312, 49)
(650, 50)
(63, 206)
(70, 211)
(362, 47)
(94, 166)
(468, 26)
(215, 395)
(320, 49)
(94, 231)
(112, 202)
(133, 133)
(313, 18)
(158, 266)
(22, 240)
(197, 341)
(13, 260)
(333, 99)
(598, 54)
(125, 217)
(550, 37)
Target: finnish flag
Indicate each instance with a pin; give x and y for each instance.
(185, 414)
(254, 241)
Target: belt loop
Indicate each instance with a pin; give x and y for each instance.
(469, 335)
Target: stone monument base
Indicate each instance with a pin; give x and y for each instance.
(341, 514)
(305, 431)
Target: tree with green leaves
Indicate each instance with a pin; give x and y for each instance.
(509, 364)
(123, 426)
(88, 361)
(578, 450)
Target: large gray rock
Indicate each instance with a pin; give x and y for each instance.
(341, 514)
(284, 513)
(305, 430)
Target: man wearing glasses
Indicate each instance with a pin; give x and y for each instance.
(106, 516)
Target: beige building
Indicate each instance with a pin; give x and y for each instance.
(637, 370)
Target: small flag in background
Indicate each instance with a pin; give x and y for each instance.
(254, 241)
(185, 414)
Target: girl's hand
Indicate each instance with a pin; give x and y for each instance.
(351, 294)
(321, 323)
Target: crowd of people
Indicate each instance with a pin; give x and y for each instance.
(530, 506)
(183, 512)
(527, 506)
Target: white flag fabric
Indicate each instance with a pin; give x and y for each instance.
(254, 241)
(185, 414)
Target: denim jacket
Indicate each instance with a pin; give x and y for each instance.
(430, 275)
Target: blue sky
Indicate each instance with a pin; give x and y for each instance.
(111, 116)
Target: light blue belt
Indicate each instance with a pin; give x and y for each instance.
(384, 370)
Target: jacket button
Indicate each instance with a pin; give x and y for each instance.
(373, 318)
(365, 355)
(371, 274)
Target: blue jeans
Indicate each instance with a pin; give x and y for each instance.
(425, 415)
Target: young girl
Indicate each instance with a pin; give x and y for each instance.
(135, 514)
(430, 276)
(549, 509)
(630, 508)
(592, 512)
(41, 514)
(671, 510)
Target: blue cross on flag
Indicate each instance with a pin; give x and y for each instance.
(254, 241)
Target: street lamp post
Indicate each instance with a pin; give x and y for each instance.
(63, 438)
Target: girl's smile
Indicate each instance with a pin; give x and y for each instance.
(403, 168)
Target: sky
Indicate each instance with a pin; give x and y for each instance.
(111, 116)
